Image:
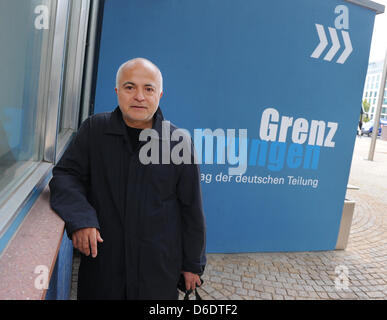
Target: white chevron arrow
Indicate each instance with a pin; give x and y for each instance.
(335, 44)
(335, 47)
(323, 42)
(348, 48)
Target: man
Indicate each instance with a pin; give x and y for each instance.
(138, 226)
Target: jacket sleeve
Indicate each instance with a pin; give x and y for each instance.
(70, 182)
(193, 220)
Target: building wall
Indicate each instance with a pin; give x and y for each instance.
(372, 88)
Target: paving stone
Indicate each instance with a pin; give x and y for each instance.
(347, 295)
(256, 282)
(323, 295)
(248, 286)
(280, 291)
(207, 288)
(266, 296)
(271, 278)
(217, 295)
(260, 277)
(247, 279)
(252, 293)
(217, 286)
(308, 288)
(241, 291)
(215, 279)
(259, 288)
(287, 286)
(329, 288)
(269, 289)
(303, 294)
(313, 295)
(226, 282)
(362, 295)
(333, 295)
(298, 287)
(376, 294)
(292, 293)
(317, 288)
(291, 280)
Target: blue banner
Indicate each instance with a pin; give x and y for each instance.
(280, 80)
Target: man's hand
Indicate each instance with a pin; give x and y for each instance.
(85, 238)
(191, 280)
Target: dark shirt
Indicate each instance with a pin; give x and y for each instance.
(134, 134)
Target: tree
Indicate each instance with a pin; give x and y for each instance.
(366, 108)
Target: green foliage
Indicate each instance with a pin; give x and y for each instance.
(366, 105)
(366, 108)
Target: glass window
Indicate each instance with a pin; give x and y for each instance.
(384, 110)
(375, 93)
(366, 95)
(374, 101)
(21, 113)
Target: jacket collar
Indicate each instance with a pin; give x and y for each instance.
(116, 124)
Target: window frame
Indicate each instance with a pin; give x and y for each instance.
(70, 105)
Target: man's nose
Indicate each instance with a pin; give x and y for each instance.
(139, 95)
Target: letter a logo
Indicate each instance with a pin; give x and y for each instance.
(42, 20)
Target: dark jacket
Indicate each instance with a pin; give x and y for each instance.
(149, 216)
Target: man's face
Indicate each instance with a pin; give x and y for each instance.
(138, 92)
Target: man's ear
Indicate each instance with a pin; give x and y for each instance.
(116, 90)
(161, 94)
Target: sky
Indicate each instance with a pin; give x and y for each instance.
(379, 37)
